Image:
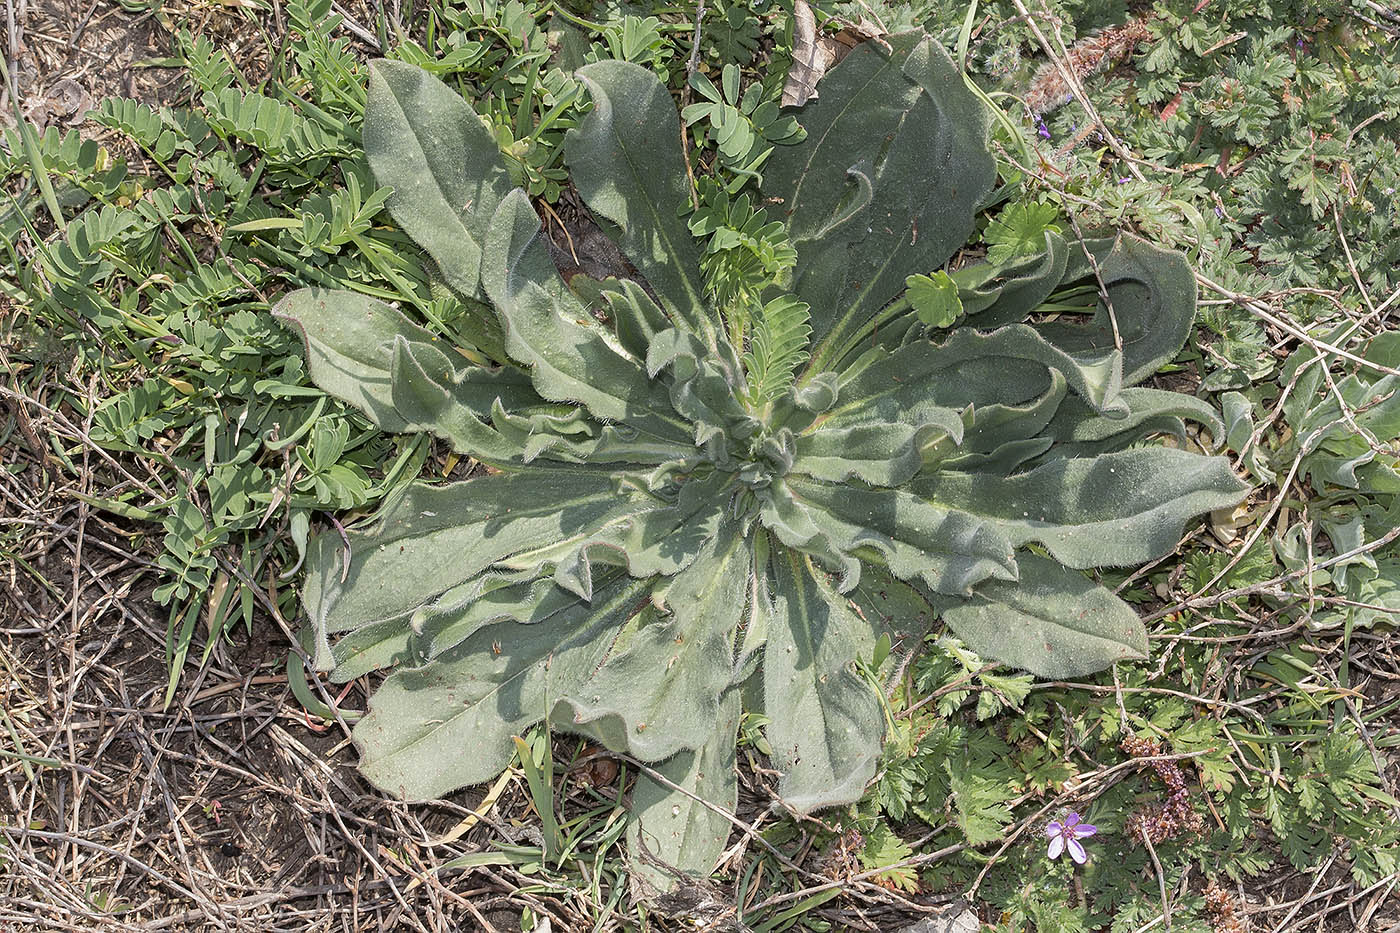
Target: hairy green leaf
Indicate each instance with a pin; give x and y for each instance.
(431, 546)
(351, 345)
(548, 328)
(476, 696)
(951, 551)
(824, 720)
(423, 140)
(629, 168)
(1053, 622)
(1151, 304)
(886, 183)
(686, 830)
(1110, 511)
(626, 705)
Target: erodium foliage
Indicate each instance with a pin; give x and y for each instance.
(691, 511)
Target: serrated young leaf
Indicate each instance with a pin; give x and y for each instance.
(934, 299)
(1020, 230)
(1002, 692)
(979, 805)
(733, 34)
(883, 849)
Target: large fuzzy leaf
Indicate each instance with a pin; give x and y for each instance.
(990, 295)
(683, 831)
(437, 540)
(400, 375)
(1153, 293)
(433, 729)
(548, 329)
(892, 607)
(824, 720)
(411, 641)
(972, 368)
(660, 692)
(950, 550)
(808, 529)
(1052, 622)
(998, 438)
(880, 453)
(406, 379)
(566, 434)
(886, 182)
(658, 541)
(627, 163)
(422, 139)
(1110, 511)
(705, 387)
(636, 318)
(1078, 431)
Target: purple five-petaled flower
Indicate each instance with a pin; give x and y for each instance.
(1066, 835)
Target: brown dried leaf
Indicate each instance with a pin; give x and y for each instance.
(598, 769)
(64, 101)
(813, 54)
(68, 99)
(853, 34)
(810, 58)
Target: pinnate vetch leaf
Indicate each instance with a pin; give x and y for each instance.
(778, 346)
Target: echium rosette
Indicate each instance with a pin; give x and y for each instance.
(685, 514)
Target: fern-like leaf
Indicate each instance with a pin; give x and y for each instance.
(778, 345)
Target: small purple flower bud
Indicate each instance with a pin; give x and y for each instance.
(1042, 129)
